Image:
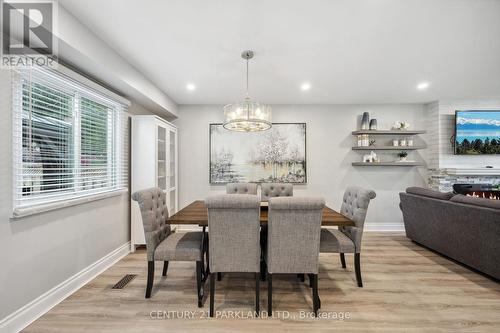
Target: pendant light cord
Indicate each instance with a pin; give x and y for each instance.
(247, 77)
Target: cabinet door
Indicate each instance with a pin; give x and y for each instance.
(161, 157)
(172, 172)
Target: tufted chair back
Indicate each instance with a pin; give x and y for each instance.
(154, 211)
(294, 229)
(272, 190)
(241, 188)
(234, 223)
(355, 207)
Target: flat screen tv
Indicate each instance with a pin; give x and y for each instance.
(477, 132)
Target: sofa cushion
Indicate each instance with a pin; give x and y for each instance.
(482, 202)
(429, 193)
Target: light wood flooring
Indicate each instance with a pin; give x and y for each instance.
(407, 288)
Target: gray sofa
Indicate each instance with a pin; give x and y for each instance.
(463, 228)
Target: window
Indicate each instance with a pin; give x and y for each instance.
(69, 141)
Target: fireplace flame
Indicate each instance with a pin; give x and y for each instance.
(485, 195)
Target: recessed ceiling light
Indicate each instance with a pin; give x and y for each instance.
(423, 85)
(305, 86)
(190, 87)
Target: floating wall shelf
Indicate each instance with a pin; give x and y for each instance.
(388, 148)
(400, 133)
(387, 164)
(388, 132)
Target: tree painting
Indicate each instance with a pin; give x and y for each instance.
(276, 155)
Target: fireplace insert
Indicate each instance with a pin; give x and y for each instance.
(487, 191)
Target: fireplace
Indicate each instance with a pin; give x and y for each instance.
(487, 191)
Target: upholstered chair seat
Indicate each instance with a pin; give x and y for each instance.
(180, 247)
(348, 239)
(333, 240)
(161, 243)
(241, 188)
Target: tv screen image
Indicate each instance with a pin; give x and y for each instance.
(477, 132)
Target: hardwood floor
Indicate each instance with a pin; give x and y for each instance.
(406, 288)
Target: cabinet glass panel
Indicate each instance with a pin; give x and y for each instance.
(173, 206)
(161, 151)
(172, 159)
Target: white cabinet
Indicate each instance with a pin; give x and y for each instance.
(154, 164)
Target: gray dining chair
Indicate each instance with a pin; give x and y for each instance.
(241, 188)
(294, 226)
(348, 239)
(233, 224)
(162, 244)
(272, 190)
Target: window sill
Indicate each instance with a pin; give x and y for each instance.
(21, 212)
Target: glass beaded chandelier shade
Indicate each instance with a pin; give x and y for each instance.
(247, 115)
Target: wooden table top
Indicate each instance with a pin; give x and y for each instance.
(196, 213)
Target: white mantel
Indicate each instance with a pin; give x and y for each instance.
(472, 171)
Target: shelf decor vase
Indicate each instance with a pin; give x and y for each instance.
(373, 125)
(365, 121)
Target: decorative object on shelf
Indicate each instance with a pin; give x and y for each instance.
(402, 156)
(277, 155)
(402, 142)
(372, 143)
(366, 140)
(373, 125)
(395, 143)
(363, 140)
(247, 116)
(401, 125)
(409, 142)
(365, 121)
(371, 158)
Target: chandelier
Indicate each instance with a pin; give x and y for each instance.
(247, 115)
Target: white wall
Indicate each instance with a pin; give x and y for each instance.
(329, 155)
(41, 251)
(447, 110)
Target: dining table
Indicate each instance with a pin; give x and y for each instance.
(196, 213)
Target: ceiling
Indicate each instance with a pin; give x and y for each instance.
(350, 51)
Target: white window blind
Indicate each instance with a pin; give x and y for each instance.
(69, 141)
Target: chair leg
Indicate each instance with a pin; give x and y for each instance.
(269, 295)
(357, 267)
(199, 279)
(316, 301)
(212, 293)
(342, 260)
(207, 256)
(165, 268)
(311, 277)
(219, 276)
(257, 294)
(151, 275)
(262, 270)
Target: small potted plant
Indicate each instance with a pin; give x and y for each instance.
(402, 156)
(401, 125)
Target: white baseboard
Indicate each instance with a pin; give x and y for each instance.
(385, 227)
(24, 316)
